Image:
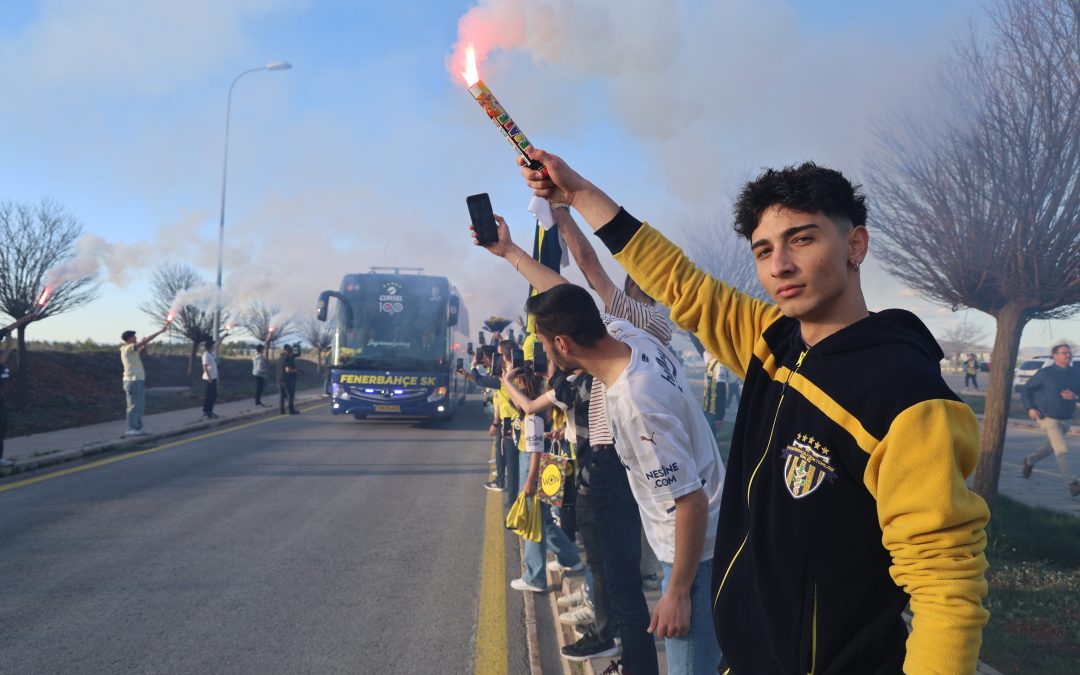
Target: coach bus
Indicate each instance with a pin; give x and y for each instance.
(398, 337)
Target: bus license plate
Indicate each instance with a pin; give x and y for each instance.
(387, 408)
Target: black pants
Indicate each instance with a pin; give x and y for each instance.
(970, 377)
(604, 625)
(618, 527)
(211, 397)
(260, 384)
(288, 391)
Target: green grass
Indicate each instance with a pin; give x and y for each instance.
(1034, 581)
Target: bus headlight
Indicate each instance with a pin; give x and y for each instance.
(437, 394)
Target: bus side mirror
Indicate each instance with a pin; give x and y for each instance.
(455, 305)
(321, 307)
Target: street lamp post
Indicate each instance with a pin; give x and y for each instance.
(273, 65)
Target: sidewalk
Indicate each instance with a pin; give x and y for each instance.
(55, 447)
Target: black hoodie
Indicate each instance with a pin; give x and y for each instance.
(845, 496)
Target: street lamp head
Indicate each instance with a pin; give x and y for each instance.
(278, 65)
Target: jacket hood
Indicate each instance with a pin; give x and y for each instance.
(889, 327)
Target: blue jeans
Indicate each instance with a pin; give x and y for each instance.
(135, 392)
(618, 525)
(698, 652)
(533, 563)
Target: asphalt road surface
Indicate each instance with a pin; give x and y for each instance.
(302, 544)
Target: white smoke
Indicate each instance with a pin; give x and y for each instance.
(92, 254)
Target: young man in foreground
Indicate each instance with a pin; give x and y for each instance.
(845, 496)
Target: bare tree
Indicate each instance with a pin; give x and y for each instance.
(980, 204)
(190, 321)
(963, 335)
(720, 251)
(259, 317)
(37, 238)
(319, 335)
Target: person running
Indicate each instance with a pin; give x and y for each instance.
(845, 499)
(1050, 398)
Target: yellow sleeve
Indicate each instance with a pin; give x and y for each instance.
(934, 528)
(727, 321)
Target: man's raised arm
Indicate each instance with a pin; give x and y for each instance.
(541, 277)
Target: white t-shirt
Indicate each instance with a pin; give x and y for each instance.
(209, 360)
(258, 365)
(533, 429)
(663, 440)
(132, 360)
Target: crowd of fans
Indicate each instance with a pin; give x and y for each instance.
(538, 406)
(843, 505)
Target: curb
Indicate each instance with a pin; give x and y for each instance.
(122, 444)
(532, 638)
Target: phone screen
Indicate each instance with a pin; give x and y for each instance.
(519, 358)
(483, 219)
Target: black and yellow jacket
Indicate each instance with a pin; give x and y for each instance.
(845, 496)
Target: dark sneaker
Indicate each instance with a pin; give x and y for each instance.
(590, 647)
(614, 669)
(1026, 471)
(493, 486)
(294, 412)
(1074, 488)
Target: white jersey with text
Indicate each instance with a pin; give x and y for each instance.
(662, 439)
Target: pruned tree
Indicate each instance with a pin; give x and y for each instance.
(720, 251)
(36, 239)
(319, 335)
(979, 204)
(174, 289)
(964, 335)
(258, 318)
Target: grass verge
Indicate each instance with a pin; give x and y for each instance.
(1034, 581)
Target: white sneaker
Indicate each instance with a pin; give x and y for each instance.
(556, 566)
(133, 432)
(520, 585)
(582, 615)
(574, 598)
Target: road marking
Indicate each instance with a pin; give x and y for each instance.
(491, 646)
(140, 453)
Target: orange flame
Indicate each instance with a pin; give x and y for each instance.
(170, 316)
(271, 329)
(44, 297)
(471, 74)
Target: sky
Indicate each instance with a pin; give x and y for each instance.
(363, 153)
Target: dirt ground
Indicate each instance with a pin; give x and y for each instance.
(69, 389)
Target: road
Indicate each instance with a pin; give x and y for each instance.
(303, 544)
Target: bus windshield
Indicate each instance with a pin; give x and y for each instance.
(399, 325)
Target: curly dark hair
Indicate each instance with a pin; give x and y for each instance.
(808, 187)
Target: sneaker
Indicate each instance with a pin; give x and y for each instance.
(521, 585)
(294, 412)
(134, 432)
(556, 566)
(573, 599)
(1074, 488)
(4, 461)
(1026, 471)
(614, 669)
(494, 487)
(650, 582)
(491, 461)
(582, 615)
(590, 647)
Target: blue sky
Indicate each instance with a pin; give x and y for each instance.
(362, 154)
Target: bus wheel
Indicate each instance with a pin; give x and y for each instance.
(358, 416)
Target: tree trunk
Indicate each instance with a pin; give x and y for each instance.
(191, 357)
(1010, 324)
(22, 381)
